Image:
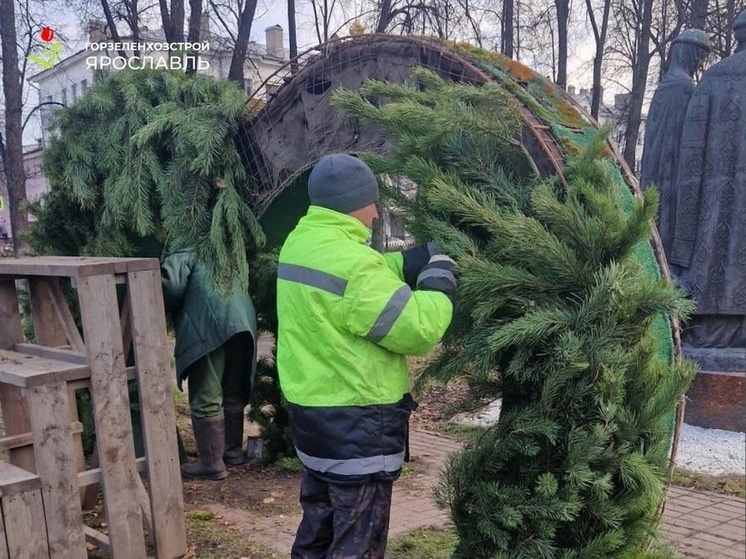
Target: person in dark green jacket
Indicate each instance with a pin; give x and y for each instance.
(347, 318)
(216, 352)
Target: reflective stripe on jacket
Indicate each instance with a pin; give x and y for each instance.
(347, 321)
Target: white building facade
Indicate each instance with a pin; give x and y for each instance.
(70, 78)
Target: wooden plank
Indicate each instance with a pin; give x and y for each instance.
(55, 353)
(3, 538)
(158, 413)
(12, 402)
(142, 264)
(93, 476)
(65, 316)
(72, 266)
(116, 447)
(145, 507)
(47, 326)
(23, 370)
(50, 330)
(11, 329)
(18, 441)
(24, 526)
(15, 480)
(57, 468)
(99, 539)
(86, 383)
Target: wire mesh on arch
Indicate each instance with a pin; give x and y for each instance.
(298, 125)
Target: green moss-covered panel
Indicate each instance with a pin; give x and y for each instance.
(284, 212)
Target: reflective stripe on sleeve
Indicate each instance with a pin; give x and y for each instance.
(390, 313)
(312, 278)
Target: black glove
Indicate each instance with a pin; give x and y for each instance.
(415, 259)
(439, 275)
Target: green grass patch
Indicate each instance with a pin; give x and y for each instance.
(288, 465)
(728, 484)
(438, 542)
(209, 539)
(428, 543)
(457, 431)
(203, 515)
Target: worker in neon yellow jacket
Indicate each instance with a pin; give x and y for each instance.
(348, 317)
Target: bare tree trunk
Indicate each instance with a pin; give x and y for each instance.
(384, 17)
(173, 20)
(325, 16)
(11, 146)
(236, 72)
(292, 37)
(598, 60)
(507, 42)
(195, 23)
(132, 18)
(699, 14)
(472, 22)
(112, 26)
(733, 11)
(563, 15)
(639, 83)
(177, 20)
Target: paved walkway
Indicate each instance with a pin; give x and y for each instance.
(700, 524)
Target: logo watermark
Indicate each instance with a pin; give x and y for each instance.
(155, 55)
(52, 50)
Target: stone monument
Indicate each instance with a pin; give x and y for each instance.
(665, 120)
(708, 254)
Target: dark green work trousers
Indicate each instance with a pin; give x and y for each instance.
(220, 379)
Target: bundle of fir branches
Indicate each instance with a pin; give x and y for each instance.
(556, 308)
(149, 160)
(146, 162)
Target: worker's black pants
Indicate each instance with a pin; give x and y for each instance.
(342, 521)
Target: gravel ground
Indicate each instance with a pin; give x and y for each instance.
(711, 451)
(705, 451)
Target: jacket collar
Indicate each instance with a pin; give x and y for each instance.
(324, 217)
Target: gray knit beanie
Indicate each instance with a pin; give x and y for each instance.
(343, 183)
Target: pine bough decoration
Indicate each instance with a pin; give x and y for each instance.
(555, 307)
(150, 156)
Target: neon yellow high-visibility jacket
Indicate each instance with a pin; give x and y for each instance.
(347, 320)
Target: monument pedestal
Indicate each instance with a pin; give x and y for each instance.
(717, 396)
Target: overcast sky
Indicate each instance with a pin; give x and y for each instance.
(69, 27)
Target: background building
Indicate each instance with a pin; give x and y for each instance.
(614, 115)
(70, 78)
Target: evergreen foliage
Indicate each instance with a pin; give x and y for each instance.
(150, 157)
(556, 307)
(268, 405)
(148, 161)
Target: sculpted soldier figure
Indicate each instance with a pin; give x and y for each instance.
(709, 246)
(666, 119)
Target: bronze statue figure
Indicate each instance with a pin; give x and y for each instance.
(708, 255)
(665, 120)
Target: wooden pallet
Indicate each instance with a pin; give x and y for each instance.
(22, 517)
(37, 384)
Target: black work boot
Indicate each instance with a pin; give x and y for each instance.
(234, 453)
(209, 432)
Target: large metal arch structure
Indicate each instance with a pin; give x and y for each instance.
(298, 125)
